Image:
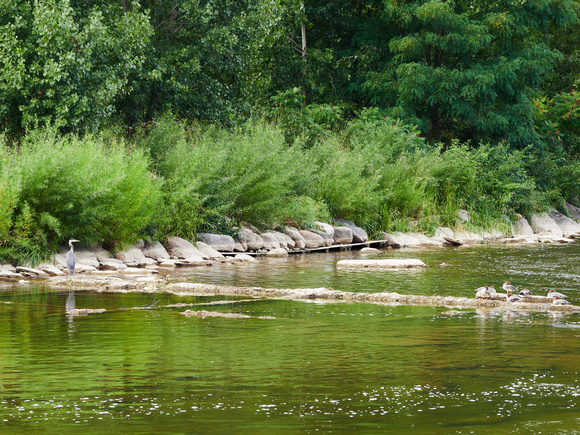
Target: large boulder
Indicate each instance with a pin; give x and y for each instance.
(312, 240)
(278, 252)
(428, 241)
(293, 233)
(574, 212)
(270, 241)
(134, 257)
(181, 248)
(285, 241)
(342, 235)
(358, 234)
(326, 231)
(446, 234)
(393, 241)
(249, 240)
(523, 227)
(112, 264)
(543, 224)
(567, 225)
(467, 237)
(212, 253)
(407, 240)
(30, 272)
(156, 251)
(219, 242)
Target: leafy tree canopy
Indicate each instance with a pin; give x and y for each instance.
(467, 69)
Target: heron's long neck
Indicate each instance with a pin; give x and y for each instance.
(71, 246)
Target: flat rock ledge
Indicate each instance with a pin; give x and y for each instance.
(103, 283)
(326, 294)
(381, 264)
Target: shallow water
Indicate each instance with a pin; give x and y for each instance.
(333, 368)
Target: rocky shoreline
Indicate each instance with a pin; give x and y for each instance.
(145, 266)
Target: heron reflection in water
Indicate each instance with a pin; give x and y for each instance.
(70, 305)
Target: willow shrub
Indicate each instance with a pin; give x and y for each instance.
(218, 178)
(76, 187)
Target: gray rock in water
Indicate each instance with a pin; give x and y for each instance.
(312, 240)
(51, 269)
(285, 240)
(219, 242)
(381, 264)
(326, 231)
(293, 233)
(156, 251)
(250, 240)
(278, 252)
(428, 241)
(467, 237)
(358, 234)
(134, 257)
(342, 236)
(30, 272)
(270, 241)
(392, 241)
(407, 240)
(112, 264)
(244, 258)
(447, 235)
(212, 253)
(181, 248)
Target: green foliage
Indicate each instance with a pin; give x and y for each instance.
(558, 123)
(64, 67)
(72, 187)
(467, 69)
(221, 178)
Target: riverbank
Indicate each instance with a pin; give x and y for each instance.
(148, 262)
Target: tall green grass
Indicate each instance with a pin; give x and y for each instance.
(181, 180)
(218, 179)
(62, 187)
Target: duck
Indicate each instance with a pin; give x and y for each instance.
(509, 288)
(482, 293)
(513, 298)
(492, 291)
(558, 301)
(554, 294)
(525, 292)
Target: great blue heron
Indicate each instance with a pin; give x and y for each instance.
(70, 257)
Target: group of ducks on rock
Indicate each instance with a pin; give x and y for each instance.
(512, 294)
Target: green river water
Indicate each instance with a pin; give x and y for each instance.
(312, 368)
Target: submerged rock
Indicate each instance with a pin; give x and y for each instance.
(381, 264)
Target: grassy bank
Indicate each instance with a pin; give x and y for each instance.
(175, 179)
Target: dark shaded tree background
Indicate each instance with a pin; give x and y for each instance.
(470, 70)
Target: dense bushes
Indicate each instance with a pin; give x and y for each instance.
(180, 180)
(54, 188)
